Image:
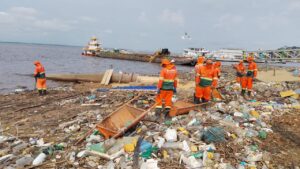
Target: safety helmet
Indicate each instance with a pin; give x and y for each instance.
(173, 61)
(200, 59)
(36, 62)
(218, 63)
(165, 62)
(250, 58)
(209, 61)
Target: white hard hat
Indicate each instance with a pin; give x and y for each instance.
(173, 61)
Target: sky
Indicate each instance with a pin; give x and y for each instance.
(147, 25)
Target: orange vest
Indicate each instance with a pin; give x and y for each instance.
(39, 71)
(197, 67)
(240, 70)
(168, 78)
(206, 76)
(252, 70)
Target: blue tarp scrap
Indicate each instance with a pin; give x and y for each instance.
(143, 88)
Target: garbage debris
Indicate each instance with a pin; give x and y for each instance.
(234, 132)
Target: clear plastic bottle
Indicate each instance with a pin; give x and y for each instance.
(39, 159)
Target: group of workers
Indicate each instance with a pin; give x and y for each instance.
(207, 74)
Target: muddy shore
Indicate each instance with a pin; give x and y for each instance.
(26, 115)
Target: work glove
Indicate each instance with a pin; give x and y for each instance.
(175, 90)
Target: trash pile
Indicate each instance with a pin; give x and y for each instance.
(227, 134)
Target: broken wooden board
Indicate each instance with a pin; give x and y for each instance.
(107, 76)
(280, 76)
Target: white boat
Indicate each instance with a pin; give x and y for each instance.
(93, 48)
(229, 55)
(194, 52)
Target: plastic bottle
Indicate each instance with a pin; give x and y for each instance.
(115, 148)
(39, 159)
(26, 160)
(171, 135)
(173, 145)
(145, 146)
(161, 142)
(109, 143)
(72, 156)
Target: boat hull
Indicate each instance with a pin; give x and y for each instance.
(143, 57)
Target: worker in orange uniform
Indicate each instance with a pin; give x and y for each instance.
(40, 78)
(166, 87)
(200, 62)
(206, 79)
(250, 75)
(241, 76)
(217, 67)
(240, 71)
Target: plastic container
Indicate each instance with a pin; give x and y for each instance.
(24, 161)
(171, 135)
(172, 145)
(97, 147)
(39, 159)
(161, 142)
(145, 145)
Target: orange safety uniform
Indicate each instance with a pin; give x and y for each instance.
(206, 78)
(217, 67)
(40, 75)
(167, 84)
(240, 72)
(199, 64)
(247, 83)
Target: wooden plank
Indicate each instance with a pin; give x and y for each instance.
(110, 72)
(107, 76)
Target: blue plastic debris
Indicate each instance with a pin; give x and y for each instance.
(129, 88)
(137, 88)
(214, 135)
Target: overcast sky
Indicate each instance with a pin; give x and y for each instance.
(152, 24)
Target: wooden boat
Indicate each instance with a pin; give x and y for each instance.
(121, 120)
(142, 57)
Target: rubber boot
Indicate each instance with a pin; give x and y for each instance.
(44, 92)
(249, 93)
(40, 92)
(166, 114)
(204, 101)
(243, 92)
(158, 112)
(196, 100)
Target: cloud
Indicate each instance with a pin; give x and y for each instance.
(28, 19)
(294, 5)
(53, 24)
(143, 34)
(23, 11)
(108, 31)
(228, 21)
(172, 17)
(142, 17)
(87, 19)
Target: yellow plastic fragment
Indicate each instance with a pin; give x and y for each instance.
(287, 93)
(183, 130)
(254, 114)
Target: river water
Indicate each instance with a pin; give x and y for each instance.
(16, 64)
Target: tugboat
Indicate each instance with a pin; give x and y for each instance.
(93, 48)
